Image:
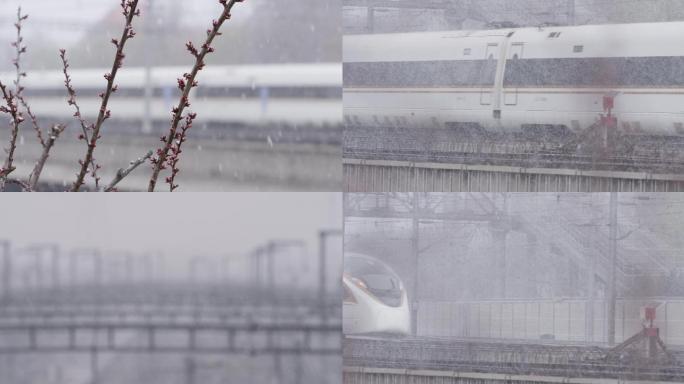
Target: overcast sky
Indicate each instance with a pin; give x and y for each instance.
(183, 223)
(68, 20)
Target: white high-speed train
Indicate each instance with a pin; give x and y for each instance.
(251, 95)
(375, 300)
(519, 80)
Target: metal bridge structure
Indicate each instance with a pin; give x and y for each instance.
(431, 360)
(92, 302)
(405, 160)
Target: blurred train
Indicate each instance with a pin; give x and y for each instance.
(294, 95)
(524, 80)
(375, 300)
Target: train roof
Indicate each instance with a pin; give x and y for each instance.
(609, 40)
(274, 75)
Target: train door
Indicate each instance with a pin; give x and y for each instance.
(491, 56)
(515, 53)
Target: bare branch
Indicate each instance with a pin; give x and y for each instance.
(20, 50)
(130, 10)
(123, 173)
(17, 118)
(47, 146)
(174, 156)
(85, 126)
(186, 84)
(10, 100)
(34, 119)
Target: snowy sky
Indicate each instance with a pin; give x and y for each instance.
(67, 20)
(183, 223)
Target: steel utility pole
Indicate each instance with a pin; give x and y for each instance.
(270, 269)
(55, 263)
(591, 294)
(571, 12)
(190, 370)
(370, 19)
(415, 237)
(613, 261)
(94, 371)
(322, 263)
(257, 272)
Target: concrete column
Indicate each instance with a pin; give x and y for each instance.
(590, 257)
(370, 19)
(415, 253)
(532, 249)
(94, 371)
(190, 370)
(6, 270)
(73, 270)
(612, 291)
(322, 237)
(38, 268)
(97, 268)
(55, 264)
(499, 263)
(129, 268)
(270, 268)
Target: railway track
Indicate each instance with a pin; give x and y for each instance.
(654, 155)
(526, 160)
(506, 357)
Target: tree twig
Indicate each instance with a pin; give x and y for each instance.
(17, 118)
(34, 119)
(123, 173)
(10, 100)
(55, 131)
(130, 11)
(85, 126)
(186, 84)
(174, 156)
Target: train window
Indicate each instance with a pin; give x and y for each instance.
(284, 92)
(420, 73)
(348, 296)
(467, 51)
(578, 48)
(601, 72)
(377, 278)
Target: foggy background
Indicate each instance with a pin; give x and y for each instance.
(185, 265)
(405, 16)
(211, 223)
(260, 31)
(478, 264)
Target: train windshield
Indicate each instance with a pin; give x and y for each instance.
(376, 278)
